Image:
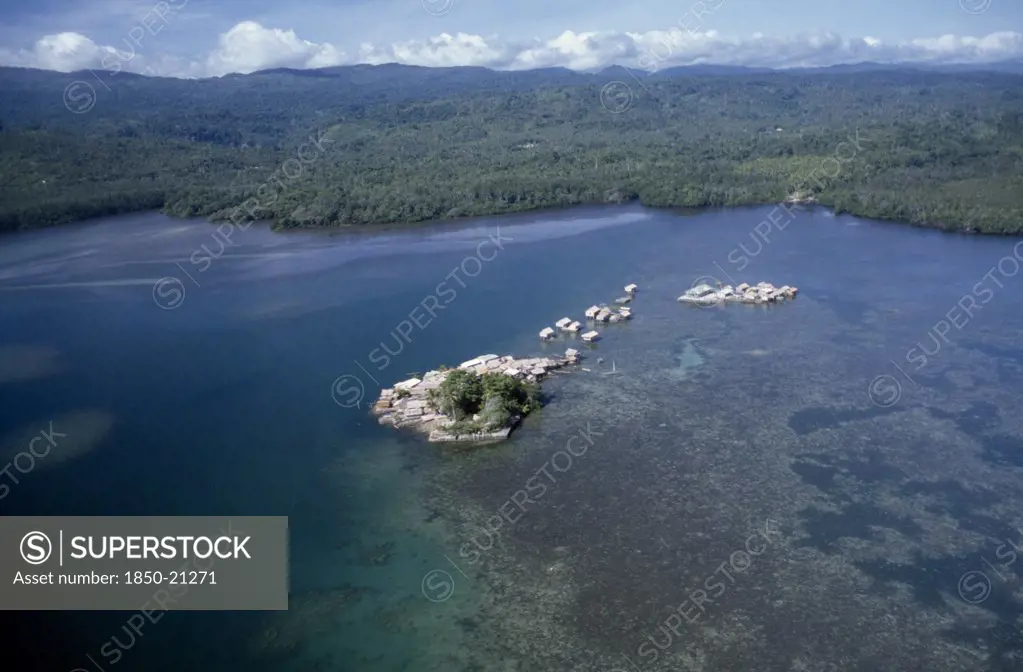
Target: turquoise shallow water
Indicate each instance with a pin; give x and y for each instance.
(876, 484)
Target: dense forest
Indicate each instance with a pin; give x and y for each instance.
(382, 144)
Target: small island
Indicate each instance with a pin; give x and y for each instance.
(762, 292)
(480, 402)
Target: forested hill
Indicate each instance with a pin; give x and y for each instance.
(379, 144)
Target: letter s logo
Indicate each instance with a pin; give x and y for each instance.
(79, 97)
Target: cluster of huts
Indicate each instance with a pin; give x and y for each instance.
(599, 314)
(408, 404)
(762, 292)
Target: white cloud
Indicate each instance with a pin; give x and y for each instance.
(249, 46)
(63, 52)
(658, 49)
(992, 47)
(441, 51)
(68, 52)
(578, 51)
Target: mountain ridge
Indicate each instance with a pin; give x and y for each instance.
(1010, 66)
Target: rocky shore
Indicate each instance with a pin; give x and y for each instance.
(800, 198)
(410, 404)
(762, 292)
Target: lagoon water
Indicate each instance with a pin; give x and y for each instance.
(827, 484)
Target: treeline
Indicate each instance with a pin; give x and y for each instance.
(930, 149)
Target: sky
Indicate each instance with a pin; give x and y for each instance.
(207, 38)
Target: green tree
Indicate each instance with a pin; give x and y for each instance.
(460, 394)
(517, 397)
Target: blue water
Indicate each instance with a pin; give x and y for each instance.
(887, 480)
